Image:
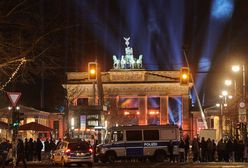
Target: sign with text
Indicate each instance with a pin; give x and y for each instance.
(14, 97)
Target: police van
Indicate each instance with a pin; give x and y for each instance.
(145, 141)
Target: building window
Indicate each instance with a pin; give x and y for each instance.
(153, 105)
(153, 117)
(131, 117)
(117, 136)
(175, 110)
(129, 103)
(134, 135)
(150, 135)
(82, 101)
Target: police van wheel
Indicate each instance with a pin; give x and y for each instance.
(111, 157)
(159, 156)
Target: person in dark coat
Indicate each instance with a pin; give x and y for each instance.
(21, 153)
(210, 149)
(195, 150)
(59, 141)
(221, 146)
(214, 151)
(170, 150)
(203, 147)
(52, 145)
(31, 149)
(34, 151)
(229, 150)
(26, 146)
(181, 149)
(186, 147)
(39, 147)
(4, 150)
(47, 148)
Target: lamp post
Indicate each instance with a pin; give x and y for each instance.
(222, 105)
(243, 78)
(242, 104)
(236, 68)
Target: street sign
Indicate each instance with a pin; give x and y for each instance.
(14, 97)
(242, 104)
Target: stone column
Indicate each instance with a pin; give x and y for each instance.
(164, 110)
(114, 116)
(143, 110)
(186, 124)
(61, 128)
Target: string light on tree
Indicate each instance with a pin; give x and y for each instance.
(23, 60)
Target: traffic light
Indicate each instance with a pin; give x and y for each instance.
(15, 119)
(92, 70)
(184, 76)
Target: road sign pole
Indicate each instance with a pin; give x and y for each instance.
(14, 97)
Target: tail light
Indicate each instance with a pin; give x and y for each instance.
(90, 150)
(67, 151)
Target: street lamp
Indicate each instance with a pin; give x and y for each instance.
(228, 82)
(236, 68)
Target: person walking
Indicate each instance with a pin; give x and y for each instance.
(39, 147)
(21, 153)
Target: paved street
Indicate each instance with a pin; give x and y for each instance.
(152, 165)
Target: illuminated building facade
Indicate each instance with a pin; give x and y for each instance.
(51, 120)
(130, 98)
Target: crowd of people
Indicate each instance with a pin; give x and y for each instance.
(197, 150)
(202, 150)
(29, 150)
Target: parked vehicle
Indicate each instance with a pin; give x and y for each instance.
(73, 151)
(150, 141)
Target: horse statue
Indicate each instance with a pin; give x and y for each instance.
(139, 62)
(116, 64)
(123, 62)
(132, 63)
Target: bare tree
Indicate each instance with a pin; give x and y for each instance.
(30, 34)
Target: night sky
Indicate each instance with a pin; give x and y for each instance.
(212, 32)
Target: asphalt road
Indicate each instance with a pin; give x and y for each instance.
(149, 165)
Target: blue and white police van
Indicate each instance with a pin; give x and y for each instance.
(144, 141)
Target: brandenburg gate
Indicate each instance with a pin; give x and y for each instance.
(129, 94)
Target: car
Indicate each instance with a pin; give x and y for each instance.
(73, 152)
